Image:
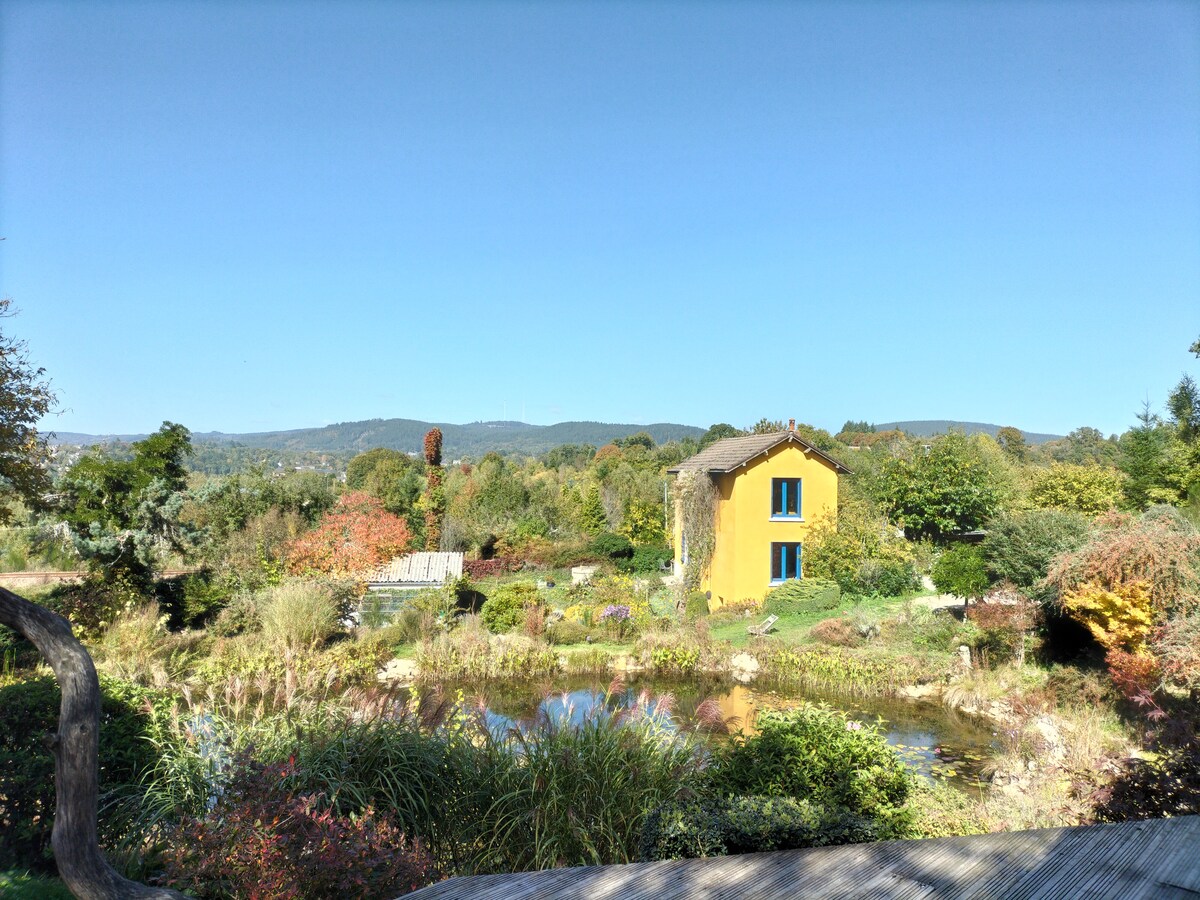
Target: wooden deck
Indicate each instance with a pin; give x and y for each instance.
(1157, 859)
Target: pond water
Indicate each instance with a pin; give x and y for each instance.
(937, 743)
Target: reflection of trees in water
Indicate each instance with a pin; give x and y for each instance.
(936, 741)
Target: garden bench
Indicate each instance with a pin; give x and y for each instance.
(761, 629)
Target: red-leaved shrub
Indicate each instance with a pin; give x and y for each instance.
(262, 840)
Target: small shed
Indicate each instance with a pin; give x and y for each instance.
(392, 583)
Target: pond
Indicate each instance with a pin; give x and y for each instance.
(936, 742)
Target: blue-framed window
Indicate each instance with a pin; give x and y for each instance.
(785, 498)
(786, 558)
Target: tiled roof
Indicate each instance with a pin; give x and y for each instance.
(419, 568)
(728, 454)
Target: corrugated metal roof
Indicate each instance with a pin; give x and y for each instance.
(420, 568)
(728, 454)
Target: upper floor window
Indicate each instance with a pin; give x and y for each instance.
(785, 498)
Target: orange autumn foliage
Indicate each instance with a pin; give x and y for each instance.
(354, 537)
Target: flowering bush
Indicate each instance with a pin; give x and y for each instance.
(263, 840)
(616, 617)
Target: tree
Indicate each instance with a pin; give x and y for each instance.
(74, 839)
(954, 486)
(123, 512)
(434, 498)
(718, 432)
(961, 571)
(1144, 460)
(640, 439)
(357, 535)
(1090, 490)
(390, 475)
(1184, 406)
(857, 427)
(766, 426)
(1012, 442)
(592, 518)
(25, 397)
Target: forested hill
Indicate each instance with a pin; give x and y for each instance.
(472, 440)
(930, 427)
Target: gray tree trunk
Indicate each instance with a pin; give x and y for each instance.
(81, 865)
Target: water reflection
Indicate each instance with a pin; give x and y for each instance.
(938, 744)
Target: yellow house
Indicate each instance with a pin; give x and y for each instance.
(766, 492)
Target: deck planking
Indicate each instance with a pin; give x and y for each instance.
(1158, 859)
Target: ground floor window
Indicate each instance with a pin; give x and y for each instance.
(785, 561)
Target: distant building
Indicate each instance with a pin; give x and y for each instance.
(770, 489)
(404, 576)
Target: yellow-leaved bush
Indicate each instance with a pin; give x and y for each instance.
(1119, 618)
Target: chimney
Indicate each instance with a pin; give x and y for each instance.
(791, 424)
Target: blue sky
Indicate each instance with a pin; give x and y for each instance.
(255, 216)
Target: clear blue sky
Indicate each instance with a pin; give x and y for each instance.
(255, 216)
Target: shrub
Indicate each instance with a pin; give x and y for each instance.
(582, 790)
(885, 576)
(241, 616)
(931, 629)
(191, 600)
(1020, 547)
(490, 568)
(818, 755)
(839, 632)
(1119, 619)
(861, 551)
(505, 609)
(961, 571)
(299, 615)
(803, 595)
(1167, 785)
(137, 647)
(647, 559)
(29, 711)
(1160, 548)
(697, 606)
(94, 603)
(566, 631)
(746, 825)
(1089, 489)
(675, 659)
(1002, 625)
(611, 546)
(265, 840)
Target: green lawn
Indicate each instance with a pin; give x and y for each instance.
(793, 629)
(16, 885)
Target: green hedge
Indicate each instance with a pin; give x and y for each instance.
(803, 595)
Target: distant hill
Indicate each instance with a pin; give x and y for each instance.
(408, 435)
(931, 427)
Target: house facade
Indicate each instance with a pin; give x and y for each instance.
(769, 491)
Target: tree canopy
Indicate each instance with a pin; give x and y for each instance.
(25, 397)
(122, 512)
